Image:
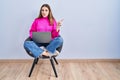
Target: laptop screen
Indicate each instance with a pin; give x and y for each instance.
(41, 37)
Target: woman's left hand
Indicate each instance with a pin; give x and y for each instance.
(59, 24)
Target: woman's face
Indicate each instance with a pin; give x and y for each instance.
(44, 11)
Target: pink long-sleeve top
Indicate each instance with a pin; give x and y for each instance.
(43, 25)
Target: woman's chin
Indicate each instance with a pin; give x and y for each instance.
(44, 16)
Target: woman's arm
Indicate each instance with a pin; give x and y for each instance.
(33, 28)
(55, 32)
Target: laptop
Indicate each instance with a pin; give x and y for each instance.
(41, 37)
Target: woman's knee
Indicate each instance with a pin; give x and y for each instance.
(59, 39)
(27, 43)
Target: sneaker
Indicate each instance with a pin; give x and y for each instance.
(42, 47)
(41, 55)
(56, 53)
(44, 54)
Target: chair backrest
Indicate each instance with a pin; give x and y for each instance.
(29, 53)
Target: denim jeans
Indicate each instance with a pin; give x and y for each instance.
(37, 51)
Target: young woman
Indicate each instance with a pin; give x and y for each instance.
(45, 22)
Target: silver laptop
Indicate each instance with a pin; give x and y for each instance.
(41, 37)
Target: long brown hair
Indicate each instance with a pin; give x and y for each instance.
(50, 15)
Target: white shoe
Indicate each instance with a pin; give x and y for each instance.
(50, 54)
(56, 53)
(42, 47)
(40, 56)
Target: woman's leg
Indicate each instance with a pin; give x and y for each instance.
(55, 43)
(34, 48)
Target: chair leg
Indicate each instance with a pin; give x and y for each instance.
(37, 60)
(53, 66)
(33, 65)
(55, 60)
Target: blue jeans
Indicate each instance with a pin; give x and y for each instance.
(37, 51)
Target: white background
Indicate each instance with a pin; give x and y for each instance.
(91, 28)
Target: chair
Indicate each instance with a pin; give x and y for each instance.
(35, 61)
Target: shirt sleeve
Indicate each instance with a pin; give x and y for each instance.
(33, 28)
(55, 33)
